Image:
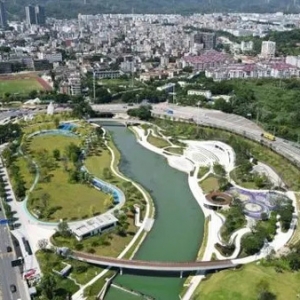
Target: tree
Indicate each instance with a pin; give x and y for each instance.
(33, 94)
(56, 122)
(143, 112)
(45, 197)
(108, 202)
(48, 286)
(266, 295)
(107, 173)
(56, 154)
(92, 210)
(42, 244)
(252, 243)
(63, 229)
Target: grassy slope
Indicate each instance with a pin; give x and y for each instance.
(158, 142)
(241, 284)
(209, 184)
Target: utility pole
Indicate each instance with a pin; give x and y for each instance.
(174, 97)
(132, 75)
(94, 86)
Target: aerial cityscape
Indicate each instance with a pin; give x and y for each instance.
(149, 151)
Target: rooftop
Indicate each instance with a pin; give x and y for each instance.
(95, 223)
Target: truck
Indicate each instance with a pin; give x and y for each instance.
(268, 136)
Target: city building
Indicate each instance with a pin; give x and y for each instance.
(111, 74)
(35, 15)
(3, 17)
(246, 46)
(268, 49)
(51, 57)
(40, 16)
(206, 39)
(209, 59)
(30, 15)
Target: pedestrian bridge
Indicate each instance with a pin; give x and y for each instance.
(141, 265)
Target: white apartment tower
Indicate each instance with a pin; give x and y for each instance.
(268, 49)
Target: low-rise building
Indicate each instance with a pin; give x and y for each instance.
(207, 94)
(110, 74)
(93, 226)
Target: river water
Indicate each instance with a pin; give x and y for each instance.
(178, 228)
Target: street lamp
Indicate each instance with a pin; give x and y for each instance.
(198, 117)
(94, 85)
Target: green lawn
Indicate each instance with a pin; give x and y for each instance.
(209, 184)
(242, 283)
(115, 82)
(22, 86)
(202, 171)
(245, 184)
(174, 150)
(74, 201)
(93, 290)
(157, 142)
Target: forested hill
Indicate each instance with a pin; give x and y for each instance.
(71, 8)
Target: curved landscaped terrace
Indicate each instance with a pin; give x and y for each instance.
(219, 198)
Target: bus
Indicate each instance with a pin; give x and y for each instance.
(268, 136)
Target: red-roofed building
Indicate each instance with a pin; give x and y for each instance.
(209, 59)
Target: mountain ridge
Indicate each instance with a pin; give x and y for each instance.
(71, 8)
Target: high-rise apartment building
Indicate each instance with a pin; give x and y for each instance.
(207, 39)
(40, 15)
(30, 15)
(35, 15)
(268, 49)
(3, 17)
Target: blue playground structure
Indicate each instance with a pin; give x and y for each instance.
(67, 126)
(107, 189)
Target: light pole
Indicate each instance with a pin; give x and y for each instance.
(94, 86)
(198, 117)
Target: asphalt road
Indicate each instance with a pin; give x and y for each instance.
(8, 275)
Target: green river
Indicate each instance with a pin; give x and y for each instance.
(178, 228)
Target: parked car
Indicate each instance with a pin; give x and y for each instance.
(9, 249)
(13, 288)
